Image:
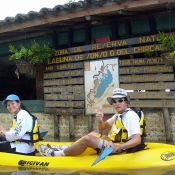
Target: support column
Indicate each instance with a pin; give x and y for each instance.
(87, 34)
(90, 123)
(71, 127)
(167, 123)
(39, 82)
(56, 126)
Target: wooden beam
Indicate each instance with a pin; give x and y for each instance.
(122, 12)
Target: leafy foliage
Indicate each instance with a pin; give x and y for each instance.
(34, 53)
(167, 42)
(148, 54)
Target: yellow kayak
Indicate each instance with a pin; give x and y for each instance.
(155, 155)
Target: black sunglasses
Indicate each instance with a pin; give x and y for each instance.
(119, 101)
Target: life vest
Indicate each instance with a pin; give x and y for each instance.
(34, 134)
(118, 132)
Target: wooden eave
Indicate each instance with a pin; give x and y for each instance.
(75, 14)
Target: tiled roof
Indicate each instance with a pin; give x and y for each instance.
(47, 12)
(74, 14)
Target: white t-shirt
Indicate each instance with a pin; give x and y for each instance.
(130, 121)
(24, 124)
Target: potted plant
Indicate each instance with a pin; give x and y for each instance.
(167, 42)
(27, 57)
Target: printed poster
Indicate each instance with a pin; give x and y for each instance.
(101, 78)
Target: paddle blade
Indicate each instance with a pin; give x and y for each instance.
(96, 161)
(108, 150)
(43, 133)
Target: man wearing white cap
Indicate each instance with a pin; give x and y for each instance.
(126, 131)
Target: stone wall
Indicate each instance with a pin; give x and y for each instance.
(155, 128)
(46, 122)
(172, 115)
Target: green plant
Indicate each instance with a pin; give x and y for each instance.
(148, 54)
(167, 42)
(34, 53)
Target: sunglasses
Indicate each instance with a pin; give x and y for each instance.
(119, 101)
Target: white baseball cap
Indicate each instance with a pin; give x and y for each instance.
(118, 93)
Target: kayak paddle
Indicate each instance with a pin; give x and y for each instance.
(42, 135)
(108, 150)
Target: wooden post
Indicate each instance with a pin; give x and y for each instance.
(114, 30)
(71, 127)
(90, 123)
(87, 34)
(70, 37)
(56, 128)
(167, 124)
(39, 82)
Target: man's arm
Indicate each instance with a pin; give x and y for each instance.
(101, 124)
(136, 140)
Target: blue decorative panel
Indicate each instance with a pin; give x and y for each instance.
(140, 27)
(165, 23)
(63, 38)
(79, 36)
(121, 29)
(101, 31)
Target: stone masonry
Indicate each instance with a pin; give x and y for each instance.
(154, 124)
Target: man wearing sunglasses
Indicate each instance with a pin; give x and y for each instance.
(125, 131)
(127, 127)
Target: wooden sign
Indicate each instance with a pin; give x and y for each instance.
(149, 86)
(71, 104)
(64, 75)
(75, 89)
(152, 95)
(147, 78)
(64, 96)
(146, 69)
(141, 61)
(60, 74)
(107, 45)
(60, 67)
(64, 111)
(105, 54)
(153, 103)
(66, 81)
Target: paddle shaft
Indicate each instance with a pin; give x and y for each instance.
(42, 135)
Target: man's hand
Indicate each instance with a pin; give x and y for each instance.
(117, 147)
(100, 115)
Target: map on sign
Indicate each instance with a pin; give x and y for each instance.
(101, 77)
